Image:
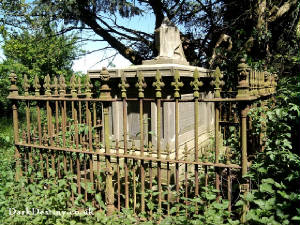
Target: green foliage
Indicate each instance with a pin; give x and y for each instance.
(53, 194)
(35, 53)
(39, 53)
(275, 172)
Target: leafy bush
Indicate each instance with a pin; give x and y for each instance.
(275, 172)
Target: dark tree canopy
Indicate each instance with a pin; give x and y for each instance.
(213, 31)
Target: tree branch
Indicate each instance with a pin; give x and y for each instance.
(90, 19)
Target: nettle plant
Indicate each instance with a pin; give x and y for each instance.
(275, 172)
(34, 192)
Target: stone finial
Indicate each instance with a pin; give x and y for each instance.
(105, 89)
(26, 85)
(168, 45)
(217, 82)
(62, 85)
(36, 85)
(158, 84)
(55, 85)
(243, 87)
(73, 84)
(88, 86)
(47, 85)
(13, 90)
(177, 84)
(140, 84)
(196, 83)
(123, 85)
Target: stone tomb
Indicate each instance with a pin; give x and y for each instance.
(170, 58)
(186, 109)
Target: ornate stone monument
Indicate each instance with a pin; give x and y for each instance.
(168, 45)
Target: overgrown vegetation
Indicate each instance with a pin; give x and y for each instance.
(275, 172)
(47, 201)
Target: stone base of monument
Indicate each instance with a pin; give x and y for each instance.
(165, 60)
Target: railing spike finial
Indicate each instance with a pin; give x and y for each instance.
(55, 85)
(47, 85)
(196, 83)
(62, 85)
(140, 84)
(73, 84)
(123, 85)
(217, 82)
(177, 84)
(26, 85)
(36, 85)
(158, 84)
(88, 86)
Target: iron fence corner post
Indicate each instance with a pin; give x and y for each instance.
(13, 92)
(243, 87)
(105, 94)
(245, 182)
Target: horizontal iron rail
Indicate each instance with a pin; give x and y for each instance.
(221, 165)
(47, 98)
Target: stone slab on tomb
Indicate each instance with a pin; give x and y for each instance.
(166, 70)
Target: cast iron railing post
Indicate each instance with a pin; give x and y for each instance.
(218, 83)
(106, 96)
(244, 94)
(123, 86)
(141, 85)
(196, 84)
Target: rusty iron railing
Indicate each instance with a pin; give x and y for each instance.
(67, 128)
